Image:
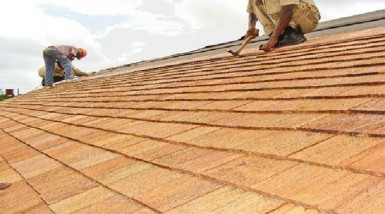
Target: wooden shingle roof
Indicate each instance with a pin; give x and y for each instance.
(299, 130)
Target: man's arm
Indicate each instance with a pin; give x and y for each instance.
(252, 20)
(78, 72)
(71, 57)
(285, 17)
(252, 23)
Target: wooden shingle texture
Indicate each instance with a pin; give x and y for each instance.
(298, 130)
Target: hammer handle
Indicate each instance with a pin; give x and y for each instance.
(244, 43)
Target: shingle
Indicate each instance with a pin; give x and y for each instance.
(229, 200)
(41, 163)
(20, 192)
(324, 188)
(370, 201)
(146, 114)
(293, 209)
(8, 175)
(122, 141)
(224, 138)
(208, 161)
(143, 180)
(362, 123)
(39, 209)
(157, 130)
(177, 192)
(249, 171)
(371, 159)
(59, 184)
(305, 105)
(115, 204)
(22, 153)
(194, 116)
(192, 133)
(85, 199)
(128, 169)
(336, 150)
(283, 143)
(253, 120)
(180, 157)
(151, 149)
(46, 141)
(98, 170)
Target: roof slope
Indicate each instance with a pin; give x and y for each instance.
(299, 130)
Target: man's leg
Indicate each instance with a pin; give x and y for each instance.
(68, 70)
(49, 66)
(306, 17)
(64, 61)
(66, 64)
(266, 21)
(305, 20)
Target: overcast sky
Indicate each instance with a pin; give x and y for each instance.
(117, 32)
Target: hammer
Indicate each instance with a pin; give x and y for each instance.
(244, 43)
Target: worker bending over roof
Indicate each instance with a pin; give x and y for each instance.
(63, 55)
(285, 21)
(59, 73)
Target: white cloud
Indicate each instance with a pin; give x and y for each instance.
(95, 7)
(137, 44)
(218, 13)
(337, 9)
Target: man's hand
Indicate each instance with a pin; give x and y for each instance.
(270, 45)
(253, 32)
(71, 57)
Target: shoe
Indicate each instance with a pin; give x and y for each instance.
(291, 37)
(65, 81)
(52, 86)
(59, 82)
(4, 185)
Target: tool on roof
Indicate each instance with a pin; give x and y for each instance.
(244, 43)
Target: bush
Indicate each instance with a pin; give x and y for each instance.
(2, 97)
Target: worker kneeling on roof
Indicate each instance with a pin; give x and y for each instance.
(63, 55)
(285, 21)
(59, 73)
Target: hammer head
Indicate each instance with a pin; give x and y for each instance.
(234, 53)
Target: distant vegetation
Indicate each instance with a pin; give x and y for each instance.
(2, 97)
